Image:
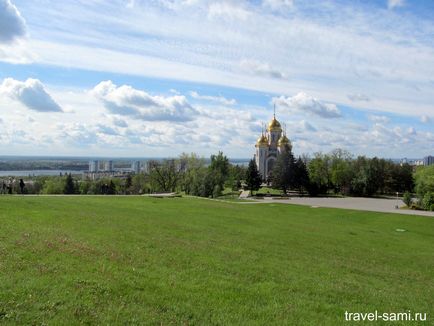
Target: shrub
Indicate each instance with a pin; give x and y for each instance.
(407, 199)
(217, 191)
(428, 201)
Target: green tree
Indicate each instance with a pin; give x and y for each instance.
(319, 174)
(192, 173)
(283, 171)
(407, 199)
(111, 189)
(406, 181)
(301, 176)
(128, 184)
(53, 185)
(219, 167)
(70, 186)
(341, 172)
(220, 164)
(139, 184)
(428, 201)
(85, 187)
(424, 180)
(253, 178)
(208, 184)
(374, 176)
(164, 176)
(235, 175)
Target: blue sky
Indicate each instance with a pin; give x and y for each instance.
(161, 77)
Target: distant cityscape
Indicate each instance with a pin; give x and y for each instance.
(427, 160)
(101, 169)
(107, 167)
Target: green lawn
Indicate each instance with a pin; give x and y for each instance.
(137, 260)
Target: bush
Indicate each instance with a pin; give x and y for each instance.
(54, 185)
(428, 201)
(407, 199)
(217, 191)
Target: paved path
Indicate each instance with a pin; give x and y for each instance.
(357, 203)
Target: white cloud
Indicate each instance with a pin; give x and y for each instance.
(107, 130)
(172, 4)
(30, 93)
(16, 53)
(308, 104)
(262, 69)
(411, 131)
(80, 134)
(395, 3)
(126, 100)
(307, 126)
(12, 25)
(278, 4)
(363, 48)
(379, 118)
(358, 97)
(226, 9)
(425, 119)
(219, 99)
(120, 123)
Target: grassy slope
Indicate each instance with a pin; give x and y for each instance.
(172, 261)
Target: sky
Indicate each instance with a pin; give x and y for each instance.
(160, 77)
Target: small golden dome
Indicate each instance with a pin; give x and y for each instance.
(283, 141)
(262, 141)
(274, 125)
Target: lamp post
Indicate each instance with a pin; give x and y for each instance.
(397, 201)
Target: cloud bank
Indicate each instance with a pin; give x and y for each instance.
(128, 101)
(308, 104)
(12, 25)
(261, 69)
(395, 3)
(31, 93)
(219, 99)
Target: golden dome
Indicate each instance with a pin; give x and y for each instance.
(274, 125)
(283, 141)
(262, 141)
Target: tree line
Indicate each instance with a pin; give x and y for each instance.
(337, 172)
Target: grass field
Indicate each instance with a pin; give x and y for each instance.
(136, 260)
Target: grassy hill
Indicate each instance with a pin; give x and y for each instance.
(136, 260)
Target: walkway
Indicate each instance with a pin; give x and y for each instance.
(357, 203)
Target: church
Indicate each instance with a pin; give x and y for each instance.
(269, 145)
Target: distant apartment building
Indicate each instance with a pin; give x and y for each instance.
(135, 166)
(93, 166)
(428, 160)
(108, 166)
(412, 162)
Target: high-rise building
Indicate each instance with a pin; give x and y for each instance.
(135, 166)
(108, 166)
(428, 160)
(93, 166)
